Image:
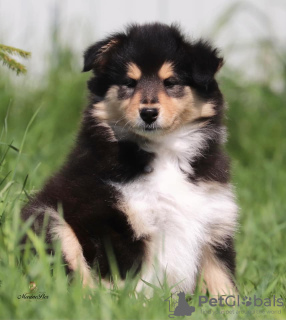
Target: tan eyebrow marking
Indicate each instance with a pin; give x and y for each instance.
(166, 71)
(133, 71)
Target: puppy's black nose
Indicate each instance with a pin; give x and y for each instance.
(149, 115)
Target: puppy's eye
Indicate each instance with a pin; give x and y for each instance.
(130, 83)
(170, 82)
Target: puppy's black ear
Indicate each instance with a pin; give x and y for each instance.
(97, 55)
(205, 62)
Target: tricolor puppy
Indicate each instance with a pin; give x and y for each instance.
(148, 178)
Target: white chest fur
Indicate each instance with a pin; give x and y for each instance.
(178, 217)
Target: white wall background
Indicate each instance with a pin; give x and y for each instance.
(27, 24)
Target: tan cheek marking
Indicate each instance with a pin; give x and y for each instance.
(167, 109)
(112, 110)
(195, 107)
(166, 71)
(176, 112)
(131, 106)
(134, 71)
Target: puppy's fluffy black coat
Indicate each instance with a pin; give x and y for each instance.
(147, 168)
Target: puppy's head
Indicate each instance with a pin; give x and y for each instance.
(152, 80)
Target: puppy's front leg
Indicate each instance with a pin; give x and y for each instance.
(218, 267)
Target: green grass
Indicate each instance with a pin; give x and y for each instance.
(39, 126)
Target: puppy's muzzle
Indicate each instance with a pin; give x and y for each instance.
(149, 115)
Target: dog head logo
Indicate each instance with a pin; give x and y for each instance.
(182, 307)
